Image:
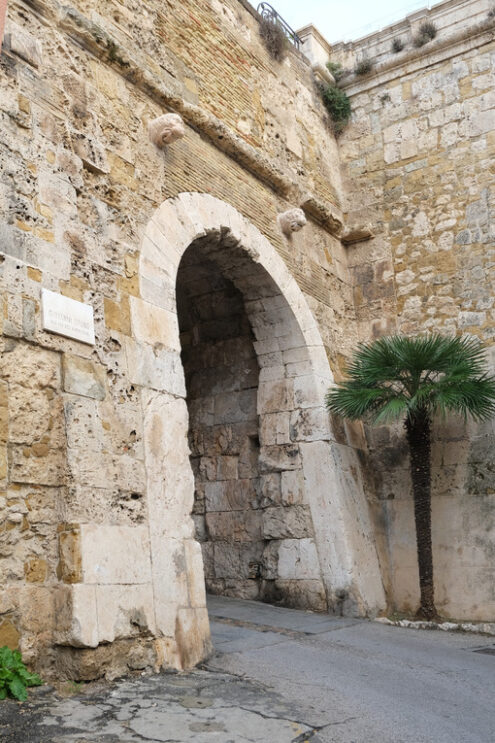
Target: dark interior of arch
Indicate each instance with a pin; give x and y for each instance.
(221, 371)
(250, 514)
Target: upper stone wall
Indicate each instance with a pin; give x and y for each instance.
(452, 19)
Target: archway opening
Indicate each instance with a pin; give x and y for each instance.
(241, 353)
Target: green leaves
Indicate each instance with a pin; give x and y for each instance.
(337, 104)
(395, 376)
(14, 676)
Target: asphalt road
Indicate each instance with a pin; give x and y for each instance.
(362, 682)
(282, 676)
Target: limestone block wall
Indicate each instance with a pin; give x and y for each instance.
(97, 541)
(418, 163)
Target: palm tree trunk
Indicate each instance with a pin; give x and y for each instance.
(418, 428)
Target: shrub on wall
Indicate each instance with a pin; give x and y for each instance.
(363, 67)
(274, 39)
(335, 69)
(427, 32)
(338, 105)
(397, 45)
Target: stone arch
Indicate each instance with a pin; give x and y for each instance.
(293, 365)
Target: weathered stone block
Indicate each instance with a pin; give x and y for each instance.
(170, 481)
(23, 44)
(124, 611)
(157, 368)
(276, 396)
(292, 487)
(270, 489)
(154, 325)
(193, 636)
(76, 616)
(170, 581)
(227, 468)
(36, 416)
(115, 554)
(287, 521)
(236, 526)
(195, 574)
(112, 660)
(83, 377)
(279, 458)
(248, 465)
(310, 424)
(38, 465)
(35, 570)
(91, 152)
(32, 366)
(301, 594)
(69, 568)
(274, 429)
(298, 559)
(9, 634)
(230, 495)
(234, 407)
(226, 561)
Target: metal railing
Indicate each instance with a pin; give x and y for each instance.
(270, 14)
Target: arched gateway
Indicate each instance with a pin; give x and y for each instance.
(309, 539)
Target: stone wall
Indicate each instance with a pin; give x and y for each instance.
(418, 163)
(104, 573)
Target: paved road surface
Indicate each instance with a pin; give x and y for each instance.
(362, 682)
(284, 676)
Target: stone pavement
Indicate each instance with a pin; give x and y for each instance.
(284, 676)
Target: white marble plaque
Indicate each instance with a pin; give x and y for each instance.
(65, 316)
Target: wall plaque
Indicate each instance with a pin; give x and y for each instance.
(65, 316)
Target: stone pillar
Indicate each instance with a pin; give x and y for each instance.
(314, 45)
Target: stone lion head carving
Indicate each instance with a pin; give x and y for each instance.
(166, 129)
(291, 221)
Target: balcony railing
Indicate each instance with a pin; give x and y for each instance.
(270, 14)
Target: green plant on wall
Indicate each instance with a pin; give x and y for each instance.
(413, 379)
(338, 105)
(14, 676)
(363, 67)
(336, 69)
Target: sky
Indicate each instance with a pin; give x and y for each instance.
(346, 20)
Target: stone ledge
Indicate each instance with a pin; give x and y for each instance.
(356, 233)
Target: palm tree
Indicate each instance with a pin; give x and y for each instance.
(413, 379)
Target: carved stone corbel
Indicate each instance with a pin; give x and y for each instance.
(291, 221)
(166, 129)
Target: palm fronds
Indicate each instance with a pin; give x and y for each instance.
(396, 376)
